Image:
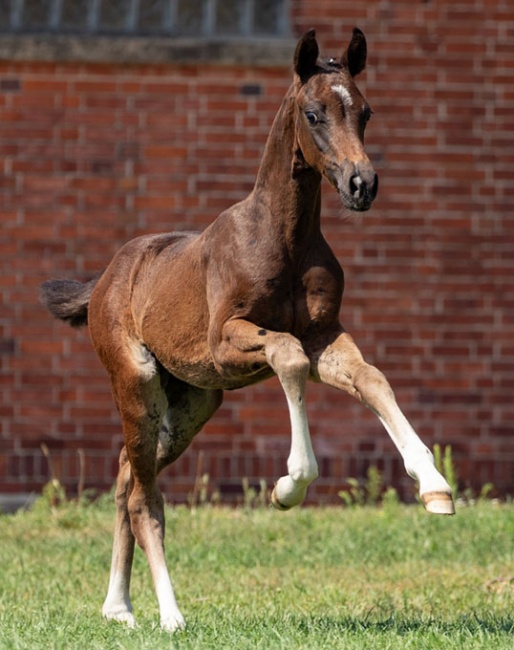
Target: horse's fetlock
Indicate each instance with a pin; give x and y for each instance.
(304, 474)
(415, 462)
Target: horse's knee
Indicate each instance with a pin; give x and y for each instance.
(297, 364)
(289, 361)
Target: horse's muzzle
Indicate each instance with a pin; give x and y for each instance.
(356, 184)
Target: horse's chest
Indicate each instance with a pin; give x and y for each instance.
(313, 300)
(318, 298)
(274, 306)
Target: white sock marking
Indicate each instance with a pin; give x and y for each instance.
(171, 618)
(418, 459)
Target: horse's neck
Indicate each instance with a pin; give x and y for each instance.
(287, 194)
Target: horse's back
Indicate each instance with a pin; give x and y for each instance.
(147, 290)
(135, 261)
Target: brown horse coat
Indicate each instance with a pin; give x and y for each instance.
(178, 318)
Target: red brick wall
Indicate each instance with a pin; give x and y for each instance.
(92, 155)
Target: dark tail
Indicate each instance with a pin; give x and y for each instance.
(68, 300)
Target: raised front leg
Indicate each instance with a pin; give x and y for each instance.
(340, 364)
(246, 349)
(292, 367)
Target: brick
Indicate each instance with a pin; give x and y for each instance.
(92, 155)
(164, 151)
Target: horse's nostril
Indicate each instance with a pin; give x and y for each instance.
(361, 188)
(356, 185)
(374, 188)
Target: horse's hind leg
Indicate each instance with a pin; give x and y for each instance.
(178, 412)
(142, 403)
(340, 364)
(117, 605)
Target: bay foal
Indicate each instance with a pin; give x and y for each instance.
(179, 318)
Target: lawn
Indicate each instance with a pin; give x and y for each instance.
(338, 578)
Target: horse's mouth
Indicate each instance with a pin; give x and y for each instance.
(356, 204)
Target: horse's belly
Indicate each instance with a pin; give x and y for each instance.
(204, 374)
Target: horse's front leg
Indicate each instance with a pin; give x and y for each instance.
(245, 348)
(340, 364)
(292, 367)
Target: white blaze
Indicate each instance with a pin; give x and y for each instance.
(344, 93)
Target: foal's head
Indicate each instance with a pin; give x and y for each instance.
(331, 115)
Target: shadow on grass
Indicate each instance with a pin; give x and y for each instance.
(470, 624)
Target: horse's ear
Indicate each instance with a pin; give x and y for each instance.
(355, 56)
(306, 55)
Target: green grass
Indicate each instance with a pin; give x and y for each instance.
(357, 578)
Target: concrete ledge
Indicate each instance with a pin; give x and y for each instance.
(104, 49)
(10, 503)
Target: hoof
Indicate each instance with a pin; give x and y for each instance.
(173, 623)
(121, 616)
(276, 503)
(438, 503)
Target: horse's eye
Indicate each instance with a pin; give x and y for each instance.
(312, 118)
